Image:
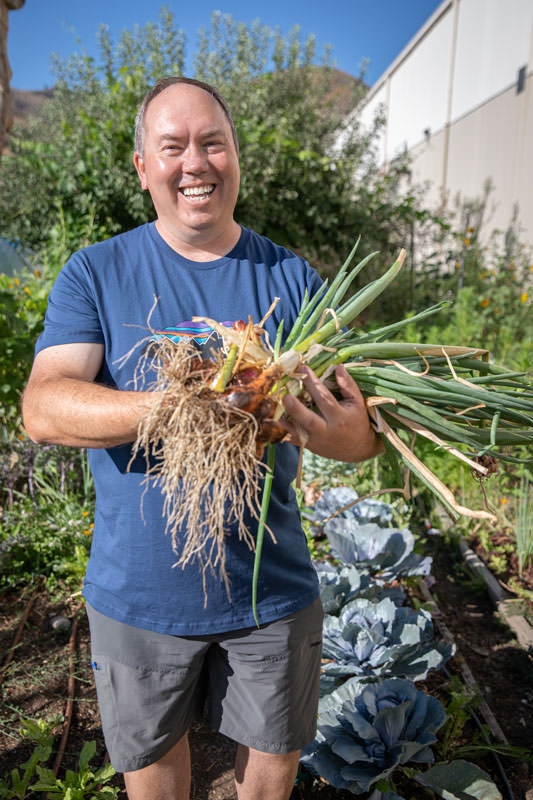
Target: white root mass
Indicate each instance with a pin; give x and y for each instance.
(201, 453)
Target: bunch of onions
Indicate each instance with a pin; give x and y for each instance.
(452, 396)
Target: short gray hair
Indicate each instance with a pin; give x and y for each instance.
(160, 86)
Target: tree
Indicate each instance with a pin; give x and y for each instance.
(299, 185)
(6, 114)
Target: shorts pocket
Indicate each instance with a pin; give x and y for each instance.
(143, 711)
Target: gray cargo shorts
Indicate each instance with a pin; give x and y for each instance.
(259, 687)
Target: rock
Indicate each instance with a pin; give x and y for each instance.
(60, 623)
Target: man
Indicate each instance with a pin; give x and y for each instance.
(158, 653)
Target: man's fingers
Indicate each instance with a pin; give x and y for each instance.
(301, 414)
(320, 394)
(349, 388)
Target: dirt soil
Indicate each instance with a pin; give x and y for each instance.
(35, 684)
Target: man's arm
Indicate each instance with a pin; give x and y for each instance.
(341, 429)
(62, 404)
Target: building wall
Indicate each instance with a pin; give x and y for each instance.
(450, 99)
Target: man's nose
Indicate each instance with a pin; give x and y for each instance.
(194, 158)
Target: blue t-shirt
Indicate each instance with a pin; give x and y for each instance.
(104, 294)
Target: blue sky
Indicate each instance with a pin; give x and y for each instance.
(357, 30)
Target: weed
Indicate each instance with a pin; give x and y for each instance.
(86, 782)
(461, 701)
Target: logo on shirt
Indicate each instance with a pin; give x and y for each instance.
(208, 341)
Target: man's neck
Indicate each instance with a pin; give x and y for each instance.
(202, 248)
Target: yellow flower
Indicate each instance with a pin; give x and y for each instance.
(17, 282)
(485, 302)
(524, 297)
(21, 437)
(457, 265)
(467, 241)
(11, 285)
(85, 513)
(503, 500)
(470, 230)
(87, 532)
(27, 290)
(91, 526)
(37, 273)
(531, 268)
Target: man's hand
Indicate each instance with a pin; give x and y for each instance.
(341, 429)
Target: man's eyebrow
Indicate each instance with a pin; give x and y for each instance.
(213, 132)
(171, 136)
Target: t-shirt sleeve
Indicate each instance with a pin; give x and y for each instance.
(72, 313)
(314, 281)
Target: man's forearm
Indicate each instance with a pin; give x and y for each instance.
(77, 413)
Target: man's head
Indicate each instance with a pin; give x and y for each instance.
(160, 86)
(186, 155)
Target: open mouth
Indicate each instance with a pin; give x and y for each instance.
(198, 192)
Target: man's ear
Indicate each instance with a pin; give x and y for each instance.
(141, 172)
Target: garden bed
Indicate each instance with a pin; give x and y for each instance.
(36, 684)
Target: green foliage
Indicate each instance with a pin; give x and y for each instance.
(45, 524)
(23, 301)
(298, 157)
(490, 287)
(17, 784)
(460, 701)
(86, 782)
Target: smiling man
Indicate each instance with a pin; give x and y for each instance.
(186, 156)
(167, 649)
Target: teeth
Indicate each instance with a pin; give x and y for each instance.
(196, 191)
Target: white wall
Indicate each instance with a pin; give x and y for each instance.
(456, 81)
(493, 42)
(419, 90)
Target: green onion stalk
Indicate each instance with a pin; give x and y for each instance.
(451, 395)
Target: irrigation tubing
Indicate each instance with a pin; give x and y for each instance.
(70, 696)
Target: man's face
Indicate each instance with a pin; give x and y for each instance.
(190, 164)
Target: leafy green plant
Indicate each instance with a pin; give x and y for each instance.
(16, 785)
(86, 782)
(460, 702)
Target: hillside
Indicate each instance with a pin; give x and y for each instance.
(343, 88)
(28, 103)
